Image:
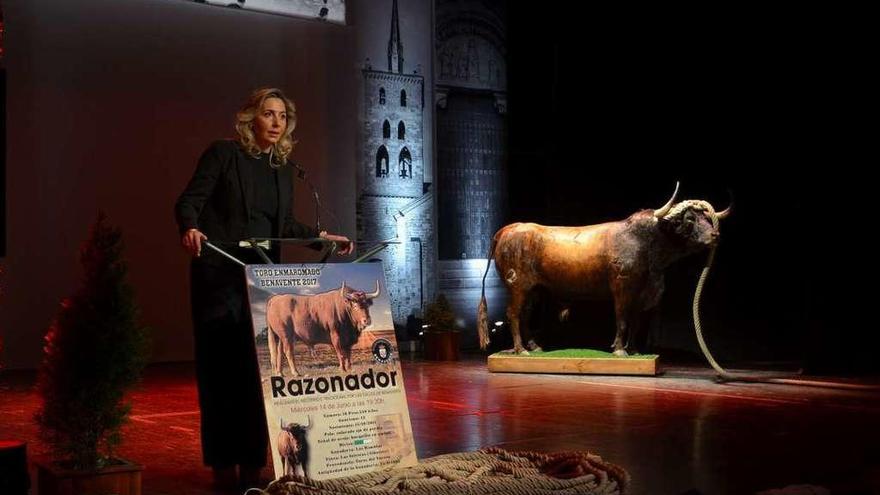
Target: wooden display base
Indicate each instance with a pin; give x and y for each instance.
(507, 362)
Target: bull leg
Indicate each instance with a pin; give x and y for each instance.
(348, 359)
(288, 353)
(340, 357)
(650, 330)
(514, 310)
(634, 332)
(340, 352)
(273, 355)
(622, 316)
(278, 353)
(525, 329)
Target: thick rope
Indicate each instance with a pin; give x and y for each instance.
(724, 374)
(699, 293)
(486, 472)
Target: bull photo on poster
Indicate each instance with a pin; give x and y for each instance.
(330, 369)
(335, 318)
(293, 448)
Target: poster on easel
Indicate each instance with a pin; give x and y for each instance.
(330, 369)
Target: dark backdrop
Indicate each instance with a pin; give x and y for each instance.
(608, 111)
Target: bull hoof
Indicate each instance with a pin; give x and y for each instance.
(620, 353)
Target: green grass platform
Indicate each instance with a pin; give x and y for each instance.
(574, 361)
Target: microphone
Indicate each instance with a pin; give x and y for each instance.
(300, 172)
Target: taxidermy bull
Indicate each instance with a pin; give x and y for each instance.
(622, 261)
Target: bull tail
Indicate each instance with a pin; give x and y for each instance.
(483, 323)
(483, 310)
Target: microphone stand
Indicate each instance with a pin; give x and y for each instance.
(302, 174)
(260, 244)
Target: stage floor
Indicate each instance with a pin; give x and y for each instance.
(676, 432)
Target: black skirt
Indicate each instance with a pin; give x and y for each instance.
(233, 422)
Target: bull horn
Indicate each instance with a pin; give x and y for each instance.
(374, 294)
(309, 425)
(665, 209)
(282, 422)
(342, 289)
(726, 213)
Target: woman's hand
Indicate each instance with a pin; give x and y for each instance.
(345, 245)
(192, 242)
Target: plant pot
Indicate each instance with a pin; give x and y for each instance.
(14, 478)
(441, 346)
(123, 478)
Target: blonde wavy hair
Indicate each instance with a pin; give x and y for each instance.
(244, 125)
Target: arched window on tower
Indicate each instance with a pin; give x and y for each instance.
(403, 97)
(382, 162)
(381, 96)
(401, 130)
(386, 130)
(405, 164)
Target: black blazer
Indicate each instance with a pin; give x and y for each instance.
(218, 197)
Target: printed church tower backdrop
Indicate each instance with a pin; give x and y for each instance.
(394, 202)
(470, 97)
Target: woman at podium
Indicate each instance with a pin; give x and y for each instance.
(241, 189)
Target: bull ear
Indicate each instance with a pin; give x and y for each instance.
(665, 209)
(374, 294)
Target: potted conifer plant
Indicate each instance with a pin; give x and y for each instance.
(94, 352)
(441, 335)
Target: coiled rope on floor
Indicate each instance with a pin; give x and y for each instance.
(491, 471)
